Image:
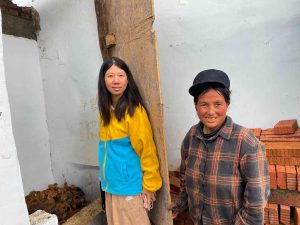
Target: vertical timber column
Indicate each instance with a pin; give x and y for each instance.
(13, 210)
(125, 31)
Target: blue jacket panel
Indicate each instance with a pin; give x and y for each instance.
(120, 168)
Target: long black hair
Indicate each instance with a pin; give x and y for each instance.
(130, 99)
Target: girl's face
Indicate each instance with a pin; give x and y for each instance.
(211, 109)
(116, 82)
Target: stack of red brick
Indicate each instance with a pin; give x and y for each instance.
(281, 214)
(282, 145)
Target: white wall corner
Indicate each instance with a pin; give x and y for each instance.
(13, 210)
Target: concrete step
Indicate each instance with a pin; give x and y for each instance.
(92, 214)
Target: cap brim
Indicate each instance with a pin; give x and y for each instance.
(197, 88)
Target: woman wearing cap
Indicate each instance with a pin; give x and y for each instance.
(224, 171)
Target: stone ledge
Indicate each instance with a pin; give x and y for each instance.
(92, 214)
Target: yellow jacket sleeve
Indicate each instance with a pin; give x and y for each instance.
(141, 137)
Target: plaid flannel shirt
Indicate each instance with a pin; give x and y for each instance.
(225, 179)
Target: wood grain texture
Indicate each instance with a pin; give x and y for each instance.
(131, 22)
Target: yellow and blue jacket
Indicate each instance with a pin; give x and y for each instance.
(127, 155)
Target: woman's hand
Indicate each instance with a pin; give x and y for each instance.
(174, 212)
(148, 199)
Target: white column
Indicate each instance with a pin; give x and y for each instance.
(13, 210)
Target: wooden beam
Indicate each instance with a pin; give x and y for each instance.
(131, 24)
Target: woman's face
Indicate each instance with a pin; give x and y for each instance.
(116, 82)
(211, 109)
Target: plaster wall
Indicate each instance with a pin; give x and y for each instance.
(70, 61)
(29, 122)
(255, 42)
(11, 189)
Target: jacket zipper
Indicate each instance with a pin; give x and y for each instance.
(104, 164)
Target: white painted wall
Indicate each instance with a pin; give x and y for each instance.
(12, 205)
(70, 61)
(29, 122)
(255, 42)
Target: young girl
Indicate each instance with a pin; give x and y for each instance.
(129, 168)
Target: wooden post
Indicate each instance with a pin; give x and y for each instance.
(130, 22)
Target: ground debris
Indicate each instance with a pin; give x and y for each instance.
(62, 201)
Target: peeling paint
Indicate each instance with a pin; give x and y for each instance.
(91, 104)
(89, 129)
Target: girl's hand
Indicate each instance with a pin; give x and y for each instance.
(148, 199)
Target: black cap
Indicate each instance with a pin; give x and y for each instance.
(210, 77)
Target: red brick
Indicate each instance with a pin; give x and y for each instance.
(298, 177)
(271, 133)
(27, 10)
(284, 214)
(285, 161)
(285, 138)
(281, 177)
(282, 145)
(291, 178)
(296, 214)
(273, 214)
(183, 218)
(13, 12)
(266, 214)
(286, 127)
(174, 197)
(175, 173)
(273, 179)
(2, 3)
(174, 184)
(256, 132)
(285, 197)
(283, 152)
(188, 221)
(25, 16)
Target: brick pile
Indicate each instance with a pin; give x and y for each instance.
(285, 214)
(282, 143)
